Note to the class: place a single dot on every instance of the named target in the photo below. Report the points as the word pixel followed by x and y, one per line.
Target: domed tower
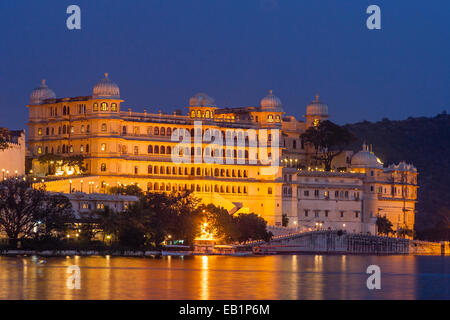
pixel 316 111
pixel 271 109
pixel 41 93
pixel 105 89
pixel 202 107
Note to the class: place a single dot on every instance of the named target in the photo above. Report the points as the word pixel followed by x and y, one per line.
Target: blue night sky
pixel 161 52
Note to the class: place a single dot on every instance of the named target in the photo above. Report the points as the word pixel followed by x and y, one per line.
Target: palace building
pixel 122 147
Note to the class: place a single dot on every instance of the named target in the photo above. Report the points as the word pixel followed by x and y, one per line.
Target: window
pixel 326 213
pixel 269 191
pixel 306 193
pixel 150 149
pixel 95 108
pixel 81 148
pixel 156 131
pixel 82 128
pixel 103 147
pixel 88 128
pixel 39 150
pixel 104 106
pixel 87 148
pixel 192 114
pixel 103 167
pixel 342 214
pixel 114 107
pixel 316 214
pixel 136 150
pixel 306 213
pixel 162 132
pixel 356 214
pixel 40 131
pixel 136 169
pixel 270 118
pixel 103 126
pixel 277 119
pixel 316 193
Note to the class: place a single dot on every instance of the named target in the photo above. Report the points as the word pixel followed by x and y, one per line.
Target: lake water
pixel 225 277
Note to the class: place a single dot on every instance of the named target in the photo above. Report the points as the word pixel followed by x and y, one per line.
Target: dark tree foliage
pixel 220 223
pixel 130 190
pixel 3 144
pixel 425 142
pixel 156 216
pixel 329 140
pixel 284 220
pixel 53 161
pixel 252 227
pixel 384 226
pixel 23 208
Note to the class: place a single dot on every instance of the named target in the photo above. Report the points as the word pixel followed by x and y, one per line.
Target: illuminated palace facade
pixel 121 147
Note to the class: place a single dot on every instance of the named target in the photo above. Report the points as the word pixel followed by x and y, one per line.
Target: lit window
pixel 270 118
pixel 39 150
pixel 103 167
pixel 104 106
pixel 95 106
pixel 103 147
pixel 114 107
pixel 316 122
pixel 82 128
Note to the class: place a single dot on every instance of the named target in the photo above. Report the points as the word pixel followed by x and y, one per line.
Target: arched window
pixel 64 148
pixel 87 148
pixel 64 110
pixel 150 169
pixel 163 150
pixel 81 149
pixel 156 150
pixel 104 106
pixel 82 128
pixel 149 186
pixel 156 131
pixel 270 118
pixel 150 149
pixel 192 114
pixel 95 107
pixel 103 167
pixel 64 129
pixel 103 147
pixel 150 131
pixel 103 126
pixel 199 171
pixel 169 131
pixel 88 128
pixel 162 131
pixel 169 150
pixel 124 130
pixel 114 107
pixel 269 191
pixel 277 118
pixel 199 114
pixel 207 114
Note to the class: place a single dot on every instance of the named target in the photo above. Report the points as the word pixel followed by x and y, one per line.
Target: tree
pixel 384 226
pixel 3 144
pixel 252 227
pixel 23 208
pixel 56 161
pixel 220 223
pixel 156 216
pixel 130 190
pixel 284 220
pixel 329 140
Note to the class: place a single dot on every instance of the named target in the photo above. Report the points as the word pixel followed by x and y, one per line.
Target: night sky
pixel 161 52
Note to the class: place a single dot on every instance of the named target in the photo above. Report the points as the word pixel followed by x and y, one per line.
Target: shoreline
pixel 158 253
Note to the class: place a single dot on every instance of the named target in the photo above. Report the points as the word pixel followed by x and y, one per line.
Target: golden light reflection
pixel 204 294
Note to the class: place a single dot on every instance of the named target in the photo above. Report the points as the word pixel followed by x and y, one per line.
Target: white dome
pixel 271 103
pixel 366 159
pixel 41 93
pixel 106 89
pixel 317 108
pixel 201 100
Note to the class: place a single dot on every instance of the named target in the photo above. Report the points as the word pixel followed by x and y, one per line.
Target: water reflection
pixel 224 277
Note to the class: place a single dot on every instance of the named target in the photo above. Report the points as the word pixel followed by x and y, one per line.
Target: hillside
pixel 425 142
